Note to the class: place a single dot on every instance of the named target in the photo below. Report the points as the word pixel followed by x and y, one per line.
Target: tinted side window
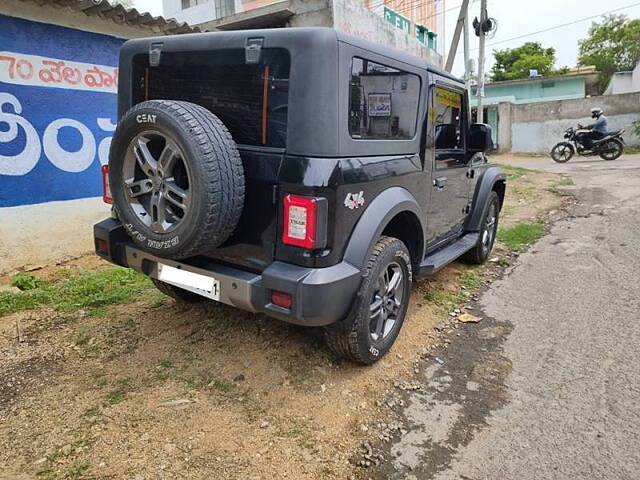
pixel 448 126
pixel 383 102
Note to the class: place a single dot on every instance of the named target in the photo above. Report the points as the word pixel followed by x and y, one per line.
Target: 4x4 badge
pixel 354 200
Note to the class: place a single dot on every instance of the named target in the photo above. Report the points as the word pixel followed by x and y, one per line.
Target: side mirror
pixel 480 138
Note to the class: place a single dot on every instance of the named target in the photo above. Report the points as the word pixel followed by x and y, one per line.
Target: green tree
pixel 613 45
pixel 515 63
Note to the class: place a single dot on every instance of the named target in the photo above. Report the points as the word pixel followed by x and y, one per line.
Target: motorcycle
pixel 609 147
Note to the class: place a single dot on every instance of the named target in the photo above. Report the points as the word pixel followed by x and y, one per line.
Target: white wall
pixel 192 15
pixel 635 79
pixel 540 137
pixel 47 233
pixel 196 14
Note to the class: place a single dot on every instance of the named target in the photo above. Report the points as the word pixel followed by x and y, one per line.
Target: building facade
pixel 624 82
pixel 422 19
pixel 414 28
pixel 532 90
pixel 58 85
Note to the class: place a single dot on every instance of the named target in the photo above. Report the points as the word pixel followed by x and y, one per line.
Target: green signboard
pixel 397 20
pixel 422 34
pixel 433 40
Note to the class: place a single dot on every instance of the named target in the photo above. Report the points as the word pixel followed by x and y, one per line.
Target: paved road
pixel 548 385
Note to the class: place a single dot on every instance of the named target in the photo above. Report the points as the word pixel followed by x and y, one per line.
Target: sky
pixel 520 17
pixel 515 17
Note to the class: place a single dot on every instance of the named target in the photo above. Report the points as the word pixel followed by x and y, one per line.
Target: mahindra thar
pixel 301 173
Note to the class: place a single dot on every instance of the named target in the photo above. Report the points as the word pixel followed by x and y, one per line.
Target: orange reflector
pixel 106 190
pixel 281 299
pixel 102 246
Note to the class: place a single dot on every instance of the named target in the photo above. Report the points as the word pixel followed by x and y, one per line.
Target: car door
pixel 447 126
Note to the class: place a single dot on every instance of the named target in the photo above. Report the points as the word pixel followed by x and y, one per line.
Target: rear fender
pixel 373 221
pixel 484 187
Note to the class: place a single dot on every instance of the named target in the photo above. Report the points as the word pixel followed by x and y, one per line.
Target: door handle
pixel 440 183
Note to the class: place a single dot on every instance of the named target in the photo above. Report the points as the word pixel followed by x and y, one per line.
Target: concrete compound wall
pixel 536 127
pixel 57 114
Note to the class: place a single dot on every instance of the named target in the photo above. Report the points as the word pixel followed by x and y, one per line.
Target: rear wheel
pixel 562 152
pixel 611 150
pixel 489 229
pixel 370 330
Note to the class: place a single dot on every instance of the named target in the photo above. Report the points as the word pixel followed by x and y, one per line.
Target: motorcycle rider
pixel 599 128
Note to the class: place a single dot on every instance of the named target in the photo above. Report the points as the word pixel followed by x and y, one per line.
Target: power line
pixel 555 27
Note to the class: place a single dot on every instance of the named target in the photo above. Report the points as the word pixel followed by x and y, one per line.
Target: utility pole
pixel 483 36
pixel 456 35
pixel 467 63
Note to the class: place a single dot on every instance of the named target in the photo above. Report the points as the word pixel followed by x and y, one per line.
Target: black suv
pixel 301 173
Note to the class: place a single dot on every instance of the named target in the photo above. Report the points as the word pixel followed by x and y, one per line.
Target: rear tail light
pixel 102 246
pixel 281 299
pixel 106 190
pixel 304 222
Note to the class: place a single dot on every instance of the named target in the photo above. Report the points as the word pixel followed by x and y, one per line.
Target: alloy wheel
pixel 386 305
pixel 490 227
pixel 157 181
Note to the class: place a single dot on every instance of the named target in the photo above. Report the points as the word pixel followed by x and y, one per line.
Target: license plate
pixel 193 282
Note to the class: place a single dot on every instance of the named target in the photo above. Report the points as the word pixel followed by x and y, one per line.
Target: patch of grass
pixel 92 412
pixel 518 237
pixel 471 278
pixel 87 290
pixel 156 299
pixel 515 173
pixel 222 385
pixel 48 473
pixel 503 262
pixel 562 182
pixel 118 395
pixel 82 336
pixel 121 326
pixel 25 281
pixel 443 299
pixel 165 363
pixel 77 469
pixel 288 432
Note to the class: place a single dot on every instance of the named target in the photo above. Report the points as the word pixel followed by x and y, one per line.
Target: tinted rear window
pixel 250 99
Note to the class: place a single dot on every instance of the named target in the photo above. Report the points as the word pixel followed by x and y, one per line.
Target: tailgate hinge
pixel 252 50
pixel 155 52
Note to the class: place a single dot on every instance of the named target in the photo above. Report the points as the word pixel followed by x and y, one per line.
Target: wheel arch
pixel 493 180
pixel 389 213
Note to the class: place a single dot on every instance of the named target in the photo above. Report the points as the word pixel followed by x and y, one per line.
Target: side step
pixel 441 258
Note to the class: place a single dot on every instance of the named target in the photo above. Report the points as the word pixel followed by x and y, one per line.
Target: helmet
pixel 596 112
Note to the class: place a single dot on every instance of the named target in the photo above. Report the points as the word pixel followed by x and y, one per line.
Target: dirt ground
pixel 155 389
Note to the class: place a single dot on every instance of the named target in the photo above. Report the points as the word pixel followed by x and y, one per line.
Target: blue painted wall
pixel 53 138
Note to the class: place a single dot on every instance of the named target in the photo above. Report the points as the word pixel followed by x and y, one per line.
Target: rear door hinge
pixel 155 52
pixel 274 195
pixel 252 50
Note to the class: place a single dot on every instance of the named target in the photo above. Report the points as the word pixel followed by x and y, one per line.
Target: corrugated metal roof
pixel 122 16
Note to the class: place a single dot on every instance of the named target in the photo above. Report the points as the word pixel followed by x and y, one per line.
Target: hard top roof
pixel 312 33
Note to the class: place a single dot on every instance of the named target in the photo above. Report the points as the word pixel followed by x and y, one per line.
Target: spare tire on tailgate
pixel 176 178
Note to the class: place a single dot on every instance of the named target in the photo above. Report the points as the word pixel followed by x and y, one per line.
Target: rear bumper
pixel 320 296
